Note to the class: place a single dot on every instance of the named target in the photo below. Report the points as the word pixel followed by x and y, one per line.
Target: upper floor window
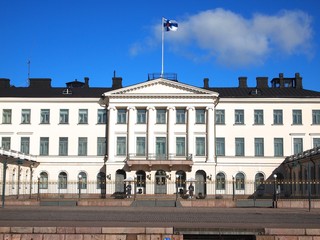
pixel 141 146
pixel 220 146
pixel 101 146
pixel 64 116
pixel 63 146
pixel 239 146
pixel 200 146
pixel 315 116
pixel 25 145
pixel 161 116
pixel 297 145
pixel 316 142
pixel 220 116
pixel 141 116
pixel 278 147
pixel 277 117
pixel 45 116
pixel 83 116
pixel 239 116
pixel 258 117
pixel 82 146
pixel 102 116
pixel 161 147
pixel 44 146
pixel 6 143
pixel 121 146
pixel 258 147
pixel 25 116
pixel 180 146
pixel 180 116
pixel 6 116
pixel 122 116
pixel 296 117
pixel 200 116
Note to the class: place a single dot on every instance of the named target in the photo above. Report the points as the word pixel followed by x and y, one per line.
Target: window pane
pixel 220 181
pixel 122 116
pixel 82 146
pixel 64 116
pixel 25 145
pixel 102 116
pixel 180 116
pixel 200 146
pixel 6 143
pixel 200 116
pixel 45 116
pixel 239 116
pixel 141 116
pixel 83 116
pixel 63 180
pixel 258 147
pixel 101 146
pixel 296 117
pixel 63 146
pixel 278 147
pixel 121 146
pixel 180 146
pixel 141 146
pixel 277 117
pixel 220 117
pixel 82 180
pixel 43 180
pixel 161 116
pixel 239 146
pixel 220 146
pixel 240 181
pixel 44 146
pixel 161 149
pixel 297 145
pixel 6 116
pixel 258 116
pixel 316 142
pixel 25 116
pixel 315 116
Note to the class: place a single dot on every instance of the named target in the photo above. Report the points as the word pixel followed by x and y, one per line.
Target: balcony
pixel 155 162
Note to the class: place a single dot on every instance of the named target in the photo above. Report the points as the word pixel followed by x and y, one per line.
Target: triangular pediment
pixel 160 86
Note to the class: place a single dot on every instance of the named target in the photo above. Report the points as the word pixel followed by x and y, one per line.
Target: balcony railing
pixel 159 157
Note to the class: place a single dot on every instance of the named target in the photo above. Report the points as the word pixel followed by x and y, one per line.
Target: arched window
pixel 101 180
pixel 82 180
pixel 240 181
pixel 43 184
pixel 63 180
pixel 220 181
pixel 259 181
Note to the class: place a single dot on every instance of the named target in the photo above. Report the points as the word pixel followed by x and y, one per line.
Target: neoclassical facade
pixel 161 134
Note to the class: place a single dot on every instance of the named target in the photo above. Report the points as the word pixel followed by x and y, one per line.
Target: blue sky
pixel 216 39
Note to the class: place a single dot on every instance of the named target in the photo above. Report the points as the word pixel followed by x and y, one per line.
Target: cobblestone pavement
pixel 28 216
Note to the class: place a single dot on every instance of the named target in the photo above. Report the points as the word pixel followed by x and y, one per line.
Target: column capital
pixel 171 108
pixel 111 108
pixel 151 108
pixel 210 108
pixel 131 108
pixel 190 108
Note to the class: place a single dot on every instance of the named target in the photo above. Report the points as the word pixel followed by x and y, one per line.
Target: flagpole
pixel 162 46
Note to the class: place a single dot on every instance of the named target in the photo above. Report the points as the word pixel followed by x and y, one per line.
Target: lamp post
pixel 38 195
pixel 233 190
pixel 274 202
pixel 4 181
pixel 79 184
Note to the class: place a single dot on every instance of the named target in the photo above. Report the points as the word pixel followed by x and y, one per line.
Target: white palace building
pixel 160 134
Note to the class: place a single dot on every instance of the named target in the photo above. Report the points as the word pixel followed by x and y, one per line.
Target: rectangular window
pixel 122 116
pixel 297 145
pixel 64 116
pixel 181 146
pixel 101 146
pixel 258 147
pixel 6 116
pixel 180 116
pixel 121 146
pixel 45 116
pixel 220 146
pixel 102 116
pixel 220 116
pixel 63 146
pixel 161 147
pixel 161 116
pixel 278 147
pixel 315 116
pixel 296 117
pixel 25 116
pixel 200 146
pixel 82 146
pixel 258 117
pixel 200 116
pixel 25 145
pixel 239 116
pixel 316 142
pixel 6 143
pixel 83 116
pixel 44 146
pixel 141 116
pixel 277 117
pixel 239 142
pixel 141 146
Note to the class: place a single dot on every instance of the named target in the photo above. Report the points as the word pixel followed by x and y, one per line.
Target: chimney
pixel 4 83
pixel 116 81
pixel 86 82
pixel 262 82
pixel 281 81
pixel 298 80
pixel 206 83
pixel 39 82
pixel 242 82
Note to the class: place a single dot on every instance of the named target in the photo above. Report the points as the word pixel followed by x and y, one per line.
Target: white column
pixel 190 127
pixel 112 119
pixel 211 145
pixel 170 131
pixel 130 131
pixel 151 118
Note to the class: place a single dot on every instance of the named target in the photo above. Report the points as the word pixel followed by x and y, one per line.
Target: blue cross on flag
pixel 170 25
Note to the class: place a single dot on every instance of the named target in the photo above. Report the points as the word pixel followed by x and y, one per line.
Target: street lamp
pixel 38 195
pixel 274 202
pixel 233 190
pixel 79 183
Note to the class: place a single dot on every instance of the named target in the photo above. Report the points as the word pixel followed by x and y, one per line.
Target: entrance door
pixel 200 183
pixel 160 182
pixel 119 183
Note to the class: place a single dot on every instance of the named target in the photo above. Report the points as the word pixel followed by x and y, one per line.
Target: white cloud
pixel 230 39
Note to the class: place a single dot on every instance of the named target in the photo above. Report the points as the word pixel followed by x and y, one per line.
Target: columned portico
pixel 210 134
